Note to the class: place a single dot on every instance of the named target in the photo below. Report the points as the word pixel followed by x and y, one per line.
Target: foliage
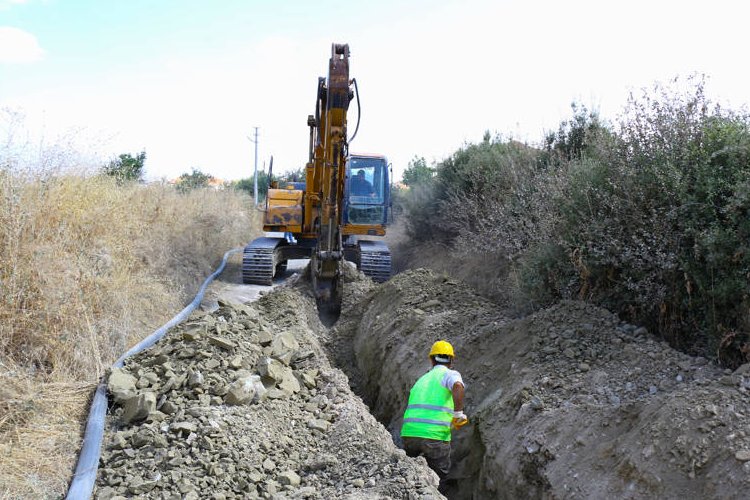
pixel 577 138
pixel 658 231
pixel 649 218
pixel 417 172
pixel 293 176
pixel 248 185
pixel 194 180
pixel 126 167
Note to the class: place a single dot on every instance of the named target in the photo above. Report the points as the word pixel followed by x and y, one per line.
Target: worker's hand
pixel 459 420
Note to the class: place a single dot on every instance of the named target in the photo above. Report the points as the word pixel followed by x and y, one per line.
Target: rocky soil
pixel 567 403
pixel 244 402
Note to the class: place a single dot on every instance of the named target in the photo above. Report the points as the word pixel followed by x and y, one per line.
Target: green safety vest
pixel 430 408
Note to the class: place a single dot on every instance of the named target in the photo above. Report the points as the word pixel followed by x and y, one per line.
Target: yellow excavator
pixel 344 198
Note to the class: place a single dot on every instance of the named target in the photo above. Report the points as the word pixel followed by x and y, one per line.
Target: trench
pixel 381 370
pixel 538 427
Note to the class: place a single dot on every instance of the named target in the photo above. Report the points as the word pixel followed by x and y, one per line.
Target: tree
pixel 418 172
pixel 126 167
pixel 247 185
pixel 293 176
pixel 195 179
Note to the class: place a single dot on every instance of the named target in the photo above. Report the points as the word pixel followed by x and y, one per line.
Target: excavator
pixel 345 197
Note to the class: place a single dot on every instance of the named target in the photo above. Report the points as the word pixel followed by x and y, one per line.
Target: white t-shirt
pixel 450 377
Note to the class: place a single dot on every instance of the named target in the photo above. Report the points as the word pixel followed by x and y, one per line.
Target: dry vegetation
pixel 88 268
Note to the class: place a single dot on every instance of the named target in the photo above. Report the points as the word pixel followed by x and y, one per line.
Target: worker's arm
pixel 458 396
pixel 459 417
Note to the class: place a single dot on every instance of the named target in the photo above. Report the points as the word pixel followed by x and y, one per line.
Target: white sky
pixel 187 80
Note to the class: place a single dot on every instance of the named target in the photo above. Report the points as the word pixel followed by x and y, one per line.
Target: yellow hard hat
pixel 442 347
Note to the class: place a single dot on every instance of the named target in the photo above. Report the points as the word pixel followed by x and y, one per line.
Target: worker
pixel 361 186
pixel 435 407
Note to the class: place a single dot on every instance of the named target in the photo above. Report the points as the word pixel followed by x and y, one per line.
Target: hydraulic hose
pixel 82 485
pixel 359 112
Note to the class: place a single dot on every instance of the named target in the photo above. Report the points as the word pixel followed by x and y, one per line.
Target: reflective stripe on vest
pixel 430 408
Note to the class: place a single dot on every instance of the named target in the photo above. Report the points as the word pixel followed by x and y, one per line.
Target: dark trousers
pixel 437 453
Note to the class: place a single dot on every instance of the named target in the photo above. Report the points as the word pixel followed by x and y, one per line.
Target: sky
pixel 188 80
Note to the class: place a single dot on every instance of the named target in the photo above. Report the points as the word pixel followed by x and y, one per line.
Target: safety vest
pixel 430 408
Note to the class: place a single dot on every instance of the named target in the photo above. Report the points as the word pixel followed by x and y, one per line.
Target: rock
pixel 289 478
pixel 121 385
pixel 276 394
pixel 268 465
pixel 119 441
pixel 264 337
pixel 142 438
pixel 308 380
pixel 284 347
pixel 168 407
pixel 536 403
pixel 236 362
pixel 358 483
pixel 242 390
pixel 195 379
pixel 185 486
pixel 272 370
pixel 318 425
pixel 289 384
pixel 742 455
pixel 225 344
pixel 106 493
pixel 184 428
pixel 192 334
pixel 640 331
pixel 138 407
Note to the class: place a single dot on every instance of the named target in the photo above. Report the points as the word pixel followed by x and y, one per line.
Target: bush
pixel 417 172
pixel 657 230
pixel 194 180
pixel 649 219
pixel 126 167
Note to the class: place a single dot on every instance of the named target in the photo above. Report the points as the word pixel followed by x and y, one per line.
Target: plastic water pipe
pixel 84 477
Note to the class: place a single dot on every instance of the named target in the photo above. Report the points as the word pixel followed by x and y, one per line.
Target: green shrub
pixel 126 167
pixel 649 219
pixel 656 229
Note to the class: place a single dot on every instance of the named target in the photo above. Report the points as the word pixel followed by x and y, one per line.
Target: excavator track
pixel 375 260
pixel 259 261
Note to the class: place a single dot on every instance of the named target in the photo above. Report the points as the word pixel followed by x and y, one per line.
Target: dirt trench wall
pixel 567 403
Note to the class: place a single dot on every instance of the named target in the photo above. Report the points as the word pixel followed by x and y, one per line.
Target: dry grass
pixel 88 268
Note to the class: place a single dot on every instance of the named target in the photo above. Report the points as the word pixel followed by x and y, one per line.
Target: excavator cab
pixel 366 201
pixel 367 194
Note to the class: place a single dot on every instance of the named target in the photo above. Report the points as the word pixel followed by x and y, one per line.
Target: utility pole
pixel 255 175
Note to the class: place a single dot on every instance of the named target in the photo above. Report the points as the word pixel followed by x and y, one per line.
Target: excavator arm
pixel 325 187
pixel 326 219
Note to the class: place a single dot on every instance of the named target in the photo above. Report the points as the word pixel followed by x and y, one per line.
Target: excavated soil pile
pixel 566 403
pixel 243 403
